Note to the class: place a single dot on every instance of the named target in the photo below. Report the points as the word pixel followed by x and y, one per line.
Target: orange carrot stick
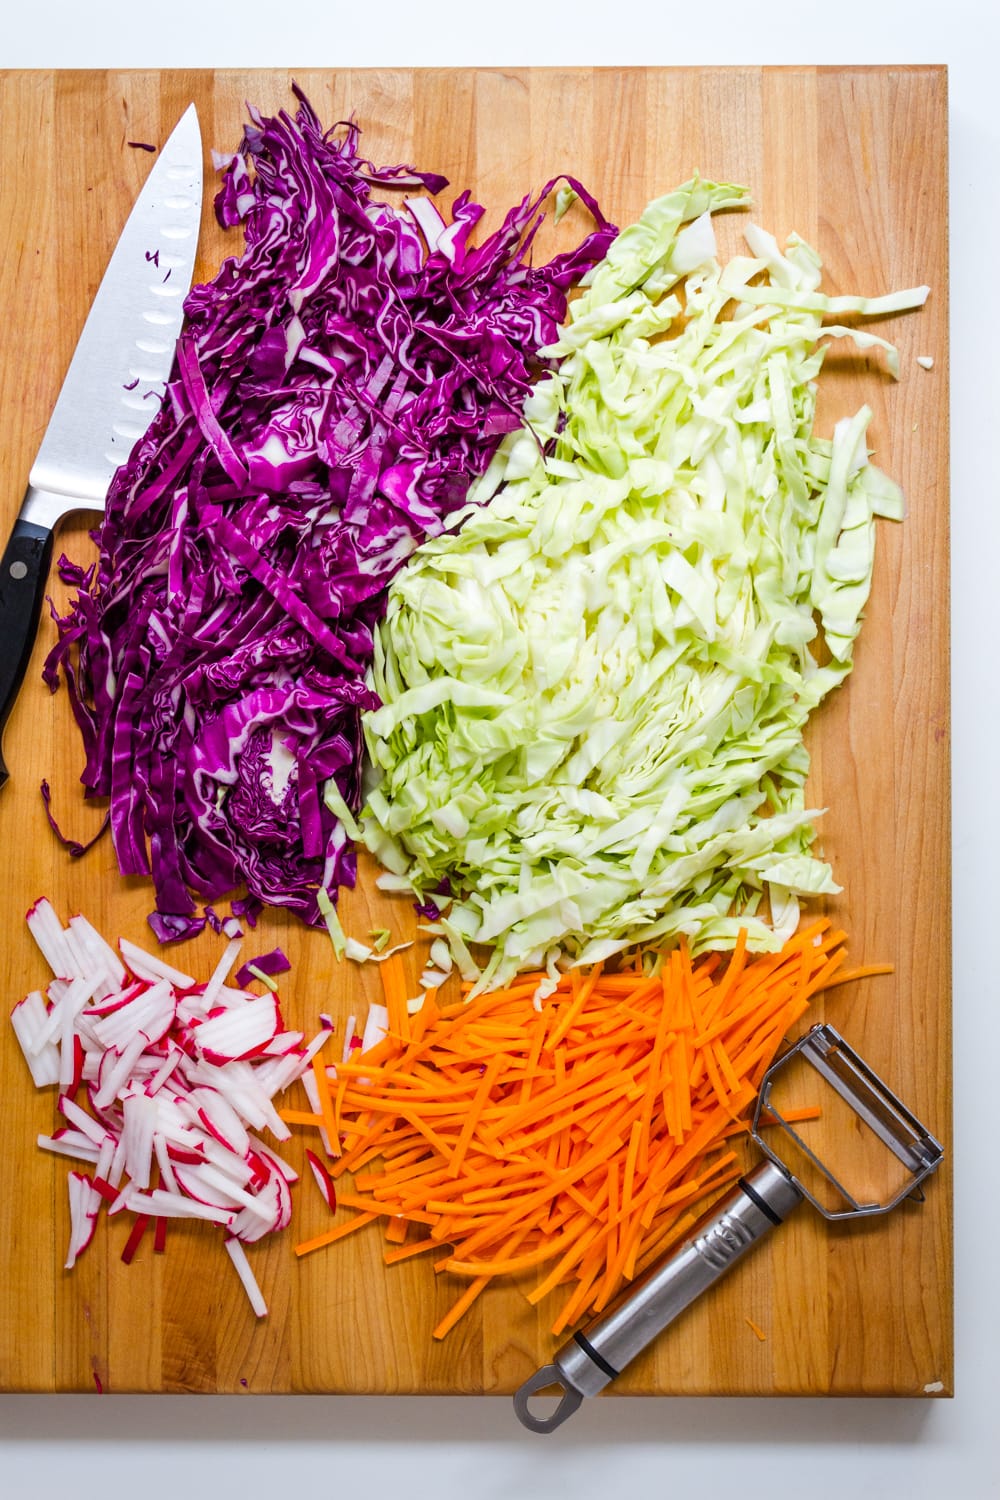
pixel 578 1138
pixel 460 1307
pixel 394 986
pixel 330 1235
pixel 326 1105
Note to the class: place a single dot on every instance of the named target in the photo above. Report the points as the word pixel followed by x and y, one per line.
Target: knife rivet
pixel 18 570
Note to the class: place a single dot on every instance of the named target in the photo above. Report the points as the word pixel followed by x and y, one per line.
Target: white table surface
pixel 159 1447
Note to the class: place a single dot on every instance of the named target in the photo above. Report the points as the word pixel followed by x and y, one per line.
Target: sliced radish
pixel 28 1019
pixel 207 1186
pixel 174 1206
pixel 238 1256
pixel 332 1148
pixel 352 1021
pixel 376 1026
pixel 286 1169
pixel 165 1165
pixel 241 1171
pixel 95 1132
pixel 47 931
pixel 142 1222
pixel 283 1043
pixel 68 998
pixel 274 1199
pixel 101 1184
pixel 164 1084
pixel 84 1202
pixel 100 956
pixel 311 1048
pixel 323 1180
pixel 149 1013
pixel 241 1033
pixel 277 1075
pixel 151 966
pixel 173 1056
pixel 222 970
pixel 75 1145
pixel 140 1115
pixel 115 1074
pixel 220 1119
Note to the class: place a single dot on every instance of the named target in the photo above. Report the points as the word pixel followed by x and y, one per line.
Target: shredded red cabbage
pixel 275 962
pixel 336 388
pixel 73 846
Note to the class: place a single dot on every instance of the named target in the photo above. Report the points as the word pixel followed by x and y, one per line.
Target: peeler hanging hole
pixel 533 1400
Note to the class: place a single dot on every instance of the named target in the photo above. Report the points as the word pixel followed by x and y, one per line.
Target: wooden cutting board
pixel 855 161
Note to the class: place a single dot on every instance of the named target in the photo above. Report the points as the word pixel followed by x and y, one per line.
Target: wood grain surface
pixel 855 161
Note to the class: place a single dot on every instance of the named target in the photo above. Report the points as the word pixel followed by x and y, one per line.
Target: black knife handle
pixel 23 576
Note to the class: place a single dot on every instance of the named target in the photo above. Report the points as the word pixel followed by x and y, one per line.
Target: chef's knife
pixel 112 388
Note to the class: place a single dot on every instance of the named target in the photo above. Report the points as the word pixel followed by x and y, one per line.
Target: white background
pixel 472 1447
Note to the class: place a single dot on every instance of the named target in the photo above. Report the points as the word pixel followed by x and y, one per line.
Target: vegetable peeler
pixel 889 1154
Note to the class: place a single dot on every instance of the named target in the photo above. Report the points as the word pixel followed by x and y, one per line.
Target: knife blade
pixel 111 391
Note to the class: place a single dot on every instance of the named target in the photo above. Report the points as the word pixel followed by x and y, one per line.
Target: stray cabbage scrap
pixel 594 689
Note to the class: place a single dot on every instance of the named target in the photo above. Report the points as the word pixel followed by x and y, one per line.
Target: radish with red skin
pixel 323 1180
pixel 249 1226
pixel 214 1130
pixel 114 1078
pixel 162 1081
pixel 152 966
pixel 84 1203
pixel 139 1228
pixel 73 1145
pixel 93 1129
pixel 239 1034
pixel 79 1057
pixel 149 1013
pixel 165 1165
pixel 284 1168
pixel 211 1190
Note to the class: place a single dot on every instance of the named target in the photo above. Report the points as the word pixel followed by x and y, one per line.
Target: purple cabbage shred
pixel 275 962
pixel 336 388
pixel 72 846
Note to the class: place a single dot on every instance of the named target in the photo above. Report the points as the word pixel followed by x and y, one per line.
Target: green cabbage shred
pixel 594 687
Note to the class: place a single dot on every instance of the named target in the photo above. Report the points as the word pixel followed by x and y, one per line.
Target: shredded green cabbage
pixel 594 689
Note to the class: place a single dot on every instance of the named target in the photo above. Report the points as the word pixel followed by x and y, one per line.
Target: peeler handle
pixel 595 1354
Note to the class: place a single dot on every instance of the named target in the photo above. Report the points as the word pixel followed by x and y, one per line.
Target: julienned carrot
pixel 396 1230
pixel 570 1143
pixel 337 1233
pixel 395 989
pixel 327 1111
pixel 463 1304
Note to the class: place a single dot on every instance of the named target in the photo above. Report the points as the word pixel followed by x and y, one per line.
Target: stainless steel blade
pixel 112 389
pixel 125 352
